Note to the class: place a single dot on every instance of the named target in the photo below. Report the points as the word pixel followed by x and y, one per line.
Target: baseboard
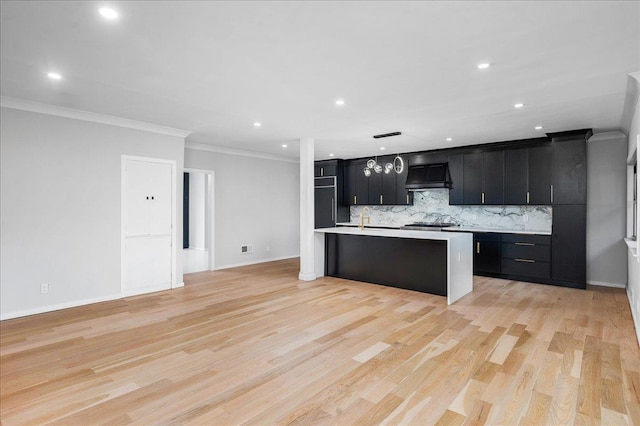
pixel 635 317
pixel 255 262
pixel 179 285
pixel 147 290
pixel 604 284
pixel 51 308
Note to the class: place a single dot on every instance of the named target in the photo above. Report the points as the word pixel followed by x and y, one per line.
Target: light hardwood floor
pixel 254 345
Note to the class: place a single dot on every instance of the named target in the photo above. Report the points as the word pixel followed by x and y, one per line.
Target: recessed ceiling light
pixel 340 102
pixel 538 127
pixel 449 139
pixel 330 155
pixel 382 148
pixel 257 124
pixel 518 105
pixel 54 76
pixel 108 13
pixel 284 145
pixel 484 65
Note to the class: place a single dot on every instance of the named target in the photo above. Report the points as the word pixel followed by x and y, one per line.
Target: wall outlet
pixel 246 249
pixel 44 288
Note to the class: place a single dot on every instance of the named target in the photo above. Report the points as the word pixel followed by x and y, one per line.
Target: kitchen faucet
pixel 363 217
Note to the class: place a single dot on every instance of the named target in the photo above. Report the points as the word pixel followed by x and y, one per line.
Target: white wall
pixel 606 211
pixel 257 201
pixel 196 211
pixel 633 286
pixel 60 211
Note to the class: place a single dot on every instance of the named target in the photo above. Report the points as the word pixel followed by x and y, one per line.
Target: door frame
pixel 209 212
pixel 123 211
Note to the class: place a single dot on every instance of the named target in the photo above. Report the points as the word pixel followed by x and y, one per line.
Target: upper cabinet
pixel 483 177
pixel 570 167
pixel 325 168
pixel 456 170
pixel 377 188
pixel 528 175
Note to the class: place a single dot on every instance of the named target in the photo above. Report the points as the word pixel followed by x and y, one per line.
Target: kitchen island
pixel 439 263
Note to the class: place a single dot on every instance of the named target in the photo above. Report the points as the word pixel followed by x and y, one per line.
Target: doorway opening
pixel 198 221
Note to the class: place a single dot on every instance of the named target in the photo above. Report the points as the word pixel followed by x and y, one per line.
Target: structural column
pixel 307 261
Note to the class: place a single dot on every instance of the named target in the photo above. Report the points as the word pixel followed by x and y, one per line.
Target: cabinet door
pixel 349 184
pixel 456 193
pixel 569 244
pixel 389 188
pixel 361 183
pixel 493 178
pixel 473 178
pixel 487 255
pixel 515 176
pixel 325 168
pixel 403 197
pixel 325 207
pixel 570 172
pixel 375 188
pixel 540 174
pixel 317 170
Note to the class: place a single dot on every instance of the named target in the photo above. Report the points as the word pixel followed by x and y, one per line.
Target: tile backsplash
pixel 433 206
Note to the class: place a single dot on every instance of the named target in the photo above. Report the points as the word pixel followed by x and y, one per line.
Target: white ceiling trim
pixel 241 152
pixel 21 104
pixel 607 136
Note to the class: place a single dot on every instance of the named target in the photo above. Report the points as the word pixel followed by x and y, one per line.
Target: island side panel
pixel 460 267
pixel 412 264
pixel 319 252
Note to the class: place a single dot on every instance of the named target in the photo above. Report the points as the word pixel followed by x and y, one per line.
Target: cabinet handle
pixel 478 247
pixel 525 244
pixel 525 260
pixel 552 194
pixel 483 198
pixel 527 197
pixel 355 199
pixel 321 171
pixel 380 198
pixel 333 211
pixel 407 198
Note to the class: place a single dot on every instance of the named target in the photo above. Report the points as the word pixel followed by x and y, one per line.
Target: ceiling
pixel 215 68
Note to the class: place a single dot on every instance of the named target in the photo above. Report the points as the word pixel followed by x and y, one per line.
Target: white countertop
pixel 499 231
pixel 459 229
pixel 395 233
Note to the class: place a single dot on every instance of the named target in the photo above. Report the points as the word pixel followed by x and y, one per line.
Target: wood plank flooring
pixel 253 345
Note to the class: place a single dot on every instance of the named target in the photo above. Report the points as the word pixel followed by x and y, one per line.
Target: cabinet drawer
pixel 486 236
pixel 526 238
pixel 526 251
pixel 524 268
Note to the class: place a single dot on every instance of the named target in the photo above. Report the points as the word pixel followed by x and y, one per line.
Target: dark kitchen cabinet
pixel 540 167
pixel 483 177
pixel 528 175
pixel 516 164
pixel 486 253
pixel 403 197
pixel 388 184
pixel 325 168
pixel 569 245
pixel 375 188
pixel 570 167
pixel 473 172
pixel 456 193
pixel 325 207
pixel 356 185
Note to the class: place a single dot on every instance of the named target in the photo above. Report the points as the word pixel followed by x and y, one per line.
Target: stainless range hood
pixel 428 176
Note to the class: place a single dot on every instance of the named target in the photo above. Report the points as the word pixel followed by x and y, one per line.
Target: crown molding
pixel 21 104
pixel 607 136
pixel 231 151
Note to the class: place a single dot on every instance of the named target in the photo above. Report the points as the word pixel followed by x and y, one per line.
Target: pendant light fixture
pixel 372 165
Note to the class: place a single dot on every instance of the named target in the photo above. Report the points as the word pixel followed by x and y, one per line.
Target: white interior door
pixel 148 226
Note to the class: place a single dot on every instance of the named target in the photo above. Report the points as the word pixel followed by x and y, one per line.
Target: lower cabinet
pixel 526 255
pixel 570 245
pixel 486 253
